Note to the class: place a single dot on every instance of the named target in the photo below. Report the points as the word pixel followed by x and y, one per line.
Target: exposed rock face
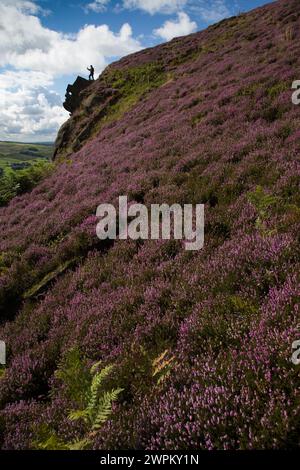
pixel 88 102
pixel 73 97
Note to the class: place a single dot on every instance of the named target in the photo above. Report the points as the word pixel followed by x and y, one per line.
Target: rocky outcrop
pixel 88 102
pixel 73 94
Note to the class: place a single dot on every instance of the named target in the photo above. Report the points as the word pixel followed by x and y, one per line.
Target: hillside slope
pixel 203 119
pixel 13 154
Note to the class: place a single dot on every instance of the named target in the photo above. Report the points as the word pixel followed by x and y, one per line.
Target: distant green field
pixel 14 153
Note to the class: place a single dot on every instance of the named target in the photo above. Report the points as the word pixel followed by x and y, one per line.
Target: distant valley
pixel 16 155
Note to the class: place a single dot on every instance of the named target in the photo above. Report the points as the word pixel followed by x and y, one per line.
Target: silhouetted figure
pixel 92 72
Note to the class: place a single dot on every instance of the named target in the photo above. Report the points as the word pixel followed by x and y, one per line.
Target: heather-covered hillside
pixel 199 342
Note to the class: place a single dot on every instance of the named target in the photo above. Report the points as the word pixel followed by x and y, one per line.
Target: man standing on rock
pixel 92 72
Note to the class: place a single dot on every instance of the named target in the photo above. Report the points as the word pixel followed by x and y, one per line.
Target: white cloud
pixel 155 6
pixel 26 44
pixel 65 55
pixel 13 79
pixel 98 6
pixel 180 27
pixel 35 56
pixel 20 31
pixel 30 110
pixel 24 5
pixel 212 11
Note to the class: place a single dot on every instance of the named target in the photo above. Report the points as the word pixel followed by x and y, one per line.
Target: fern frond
pixel 263 203
pixel 75 375
pixel 105 408
pixel 163 376
pixel 51 443
pixel 78 414
pixel 96 385
pixel 80 444
pixel 261 200
pixel 95 367
pixel 105 372
pixel 162 366
pixel 160 358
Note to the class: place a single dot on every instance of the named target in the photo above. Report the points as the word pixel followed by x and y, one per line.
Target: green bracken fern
pixel 263 203
pixel 99 403
pixel 87 388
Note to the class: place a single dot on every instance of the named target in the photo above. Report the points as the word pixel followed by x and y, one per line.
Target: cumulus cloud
pixel 65 55
pixel 26 44
pixel 98 6
pixel 14 79
pixel 211 11
pixel 24 5
pixel 34 56
pixel 155 6
pixel 180 27
pixel 31 111
pixel 20 31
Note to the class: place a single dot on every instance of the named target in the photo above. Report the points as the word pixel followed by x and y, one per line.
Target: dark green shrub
pixel 14 183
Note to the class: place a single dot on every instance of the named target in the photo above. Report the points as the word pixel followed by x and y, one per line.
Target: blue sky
pixel 44 45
